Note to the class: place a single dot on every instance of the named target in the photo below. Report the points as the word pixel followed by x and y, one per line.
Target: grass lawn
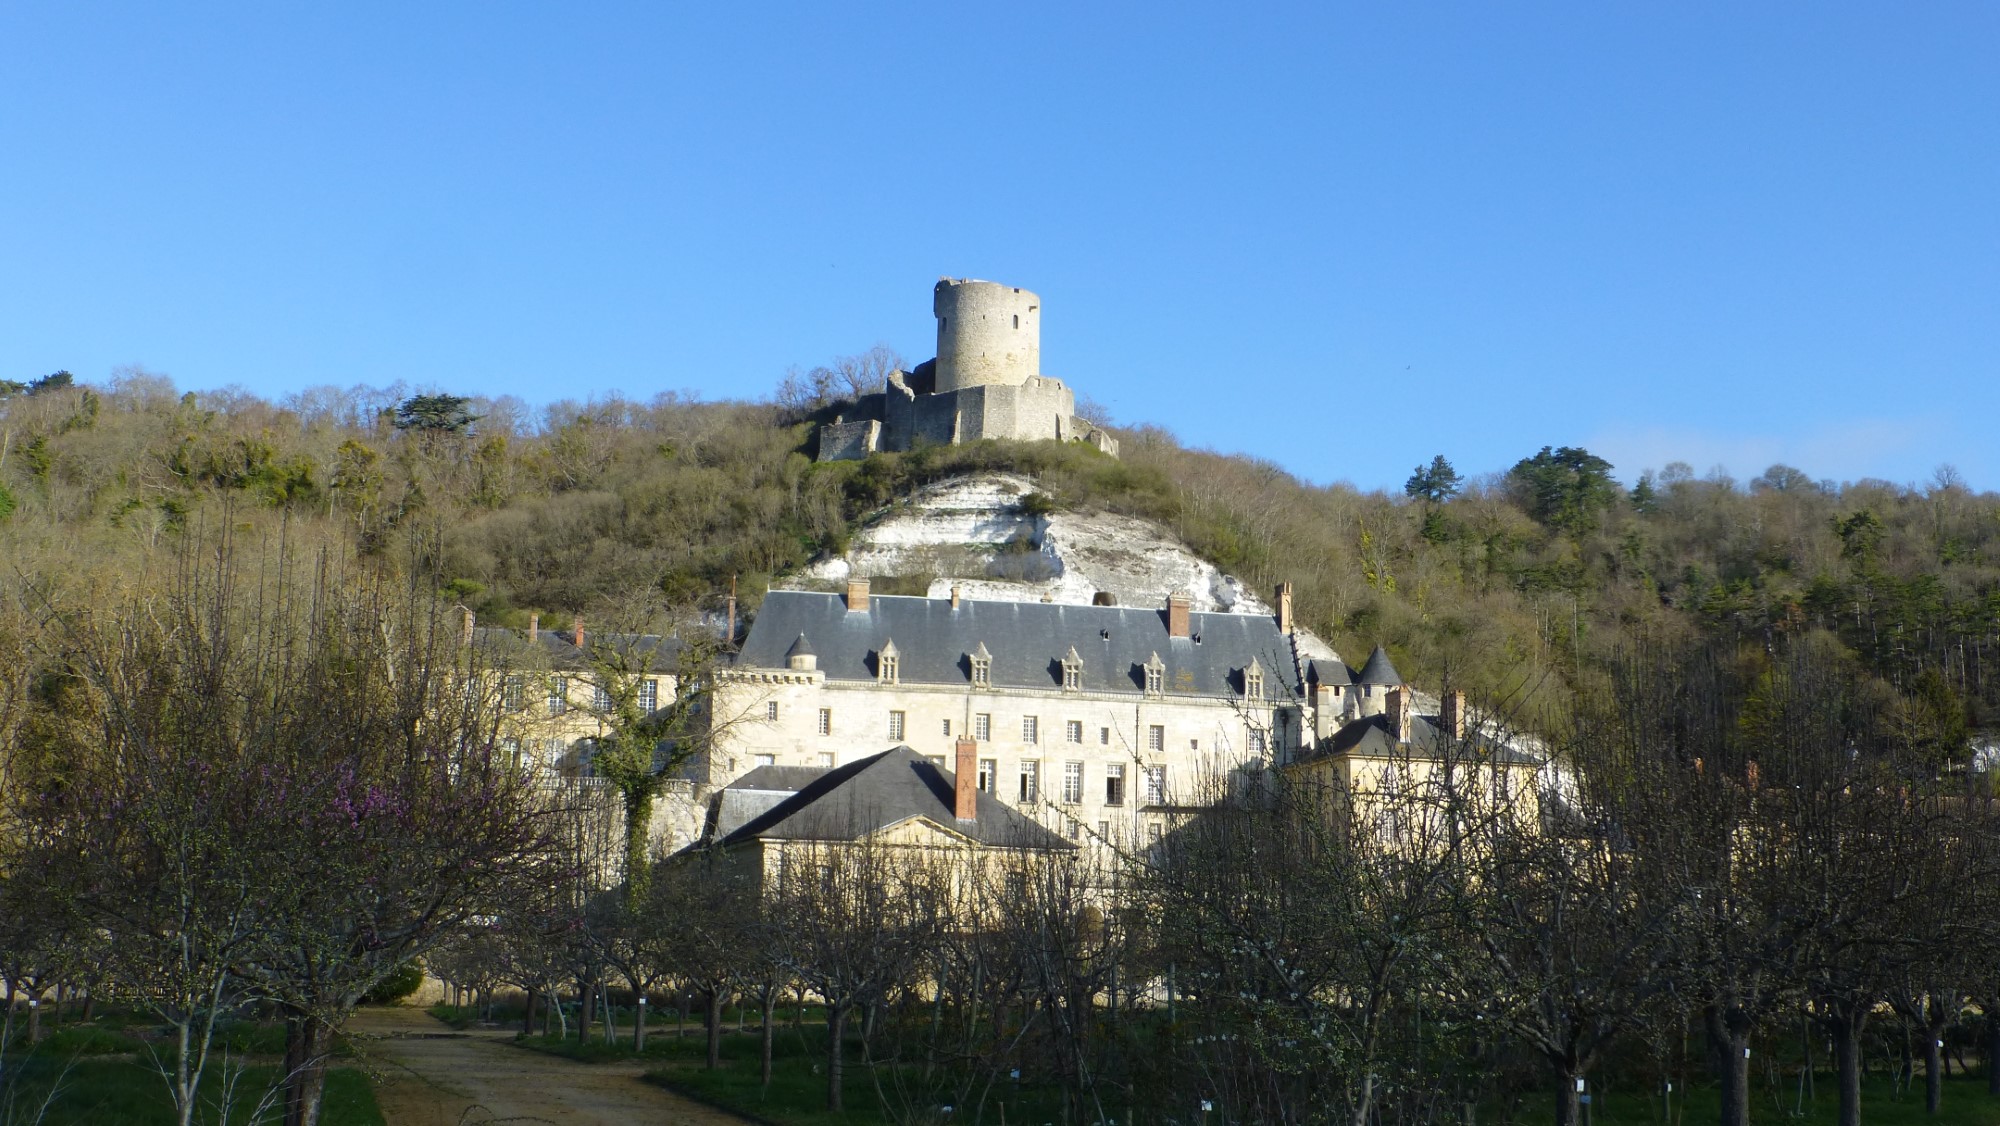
pixel 797 1095
pixel 1966 1103
pixel 125 1092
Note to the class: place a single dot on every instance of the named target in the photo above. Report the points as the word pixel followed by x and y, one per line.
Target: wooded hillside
pixel 1507 585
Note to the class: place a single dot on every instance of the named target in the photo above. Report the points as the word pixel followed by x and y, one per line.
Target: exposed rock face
pixel 970 532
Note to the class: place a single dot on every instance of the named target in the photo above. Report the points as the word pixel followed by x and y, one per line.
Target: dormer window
pixel 888 664
pixel 982 667
pixel 1072 671
pixel 1156 675
pixel 1253 681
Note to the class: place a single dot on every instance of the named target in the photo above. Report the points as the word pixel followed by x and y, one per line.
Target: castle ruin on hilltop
pixel 986 382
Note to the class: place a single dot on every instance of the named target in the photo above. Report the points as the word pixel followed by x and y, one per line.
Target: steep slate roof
pixel 849 802
pixel 1371 737
pixel 1378 670
pixel 1027 640
pixel 1330 673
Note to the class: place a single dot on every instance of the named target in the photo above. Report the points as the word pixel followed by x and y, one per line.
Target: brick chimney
pixel 1285 608
pixel 954 596
pixel 857 596
pixel 534 627
pixel 966 790
pixel 1177 614
pixel 465 634
pixel 1451 715
pixel 576 632
pixel 1398 711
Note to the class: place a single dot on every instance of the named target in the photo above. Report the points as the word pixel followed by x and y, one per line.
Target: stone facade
pixel 984 383
pixel 1118 720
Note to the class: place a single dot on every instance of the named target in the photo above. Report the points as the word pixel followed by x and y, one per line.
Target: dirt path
pixel 428 1075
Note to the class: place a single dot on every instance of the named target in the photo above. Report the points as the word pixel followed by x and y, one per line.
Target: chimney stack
pixel 954 596
pixel 1177 614
pixel 966 789
pixel 1285 608
pixel 465 635
pixel 534 627
pixel 1452 713
pixel 857 596
pixel 1399 713
pixel 576 632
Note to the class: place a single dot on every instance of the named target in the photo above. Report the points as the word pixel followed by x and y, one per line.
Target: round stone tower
pixel 988 334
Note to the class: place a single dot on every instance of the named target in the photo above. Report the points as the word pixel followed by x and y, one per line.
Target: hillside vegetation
pixel 1505 585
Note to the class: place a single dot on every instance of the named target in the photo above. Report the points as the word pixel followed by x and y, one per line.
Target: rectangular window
pixel 1104 736
pixel 826 759
pixel 1156 738
pixel 600 698
pixel 1031 780
pixel 1153 835
pixel 982 727
pixel 558 695
pixel 1073 731
pixel 1256 742
pixel 826 721
pixel 989 770
pixel 1072 782
pixel 947 729
pixel 1104 830
pixel 1114 784
pixel 649 695
pixel 936 760
pixel 1074 828
pixel 771 711
pixel 513 690
pixel 767 760
pixel 511 749
pixel 1156 785
pixel 896 725
pixel 1031 729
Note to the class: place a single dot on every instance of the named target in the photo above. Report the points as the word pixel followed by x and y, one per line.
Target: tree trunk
pixel 306 1039
pixel 1729 1039
pixel 585 1003
pixel 34 1018
pixel 714 1022
pixel 836 1022
pixel 1569 1109
pixel 770 1002
pixel 528 1015
pixel 639 1023
pixel 1933 1073
pixel 1847 1066
pixel 1992 1007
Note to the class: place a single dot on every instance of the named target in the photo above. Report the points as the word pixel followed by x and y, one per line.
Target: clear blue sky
pixel 1343 237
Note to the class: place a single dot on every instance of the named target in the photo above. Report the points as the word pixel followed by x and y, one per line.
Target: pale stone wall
pixel 1202 742
pixel 988 333
pixel 849 441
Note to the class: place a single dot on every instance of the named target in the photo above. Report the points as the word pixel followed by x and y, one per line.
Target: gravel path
pixel 428 1075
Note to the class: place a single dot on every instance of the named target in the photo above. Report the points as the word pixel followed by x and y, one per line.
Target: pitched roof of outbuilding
pixel 850 802
pixel 1027 642
pixel 1374 737
pixel 558 649
pixel 1330 673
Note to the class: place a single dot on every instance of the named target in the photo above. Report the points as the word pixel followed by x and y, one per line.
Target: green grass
pixel 106 1092
pixel 1965 1103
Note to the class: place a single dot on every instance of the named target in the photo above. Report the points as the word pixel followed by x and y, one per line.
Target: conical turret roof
pixel 802 648
pixel 1378 670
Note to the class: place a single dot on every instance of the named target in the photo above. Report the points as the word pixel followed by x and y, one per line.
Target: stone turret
pixel 988 334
